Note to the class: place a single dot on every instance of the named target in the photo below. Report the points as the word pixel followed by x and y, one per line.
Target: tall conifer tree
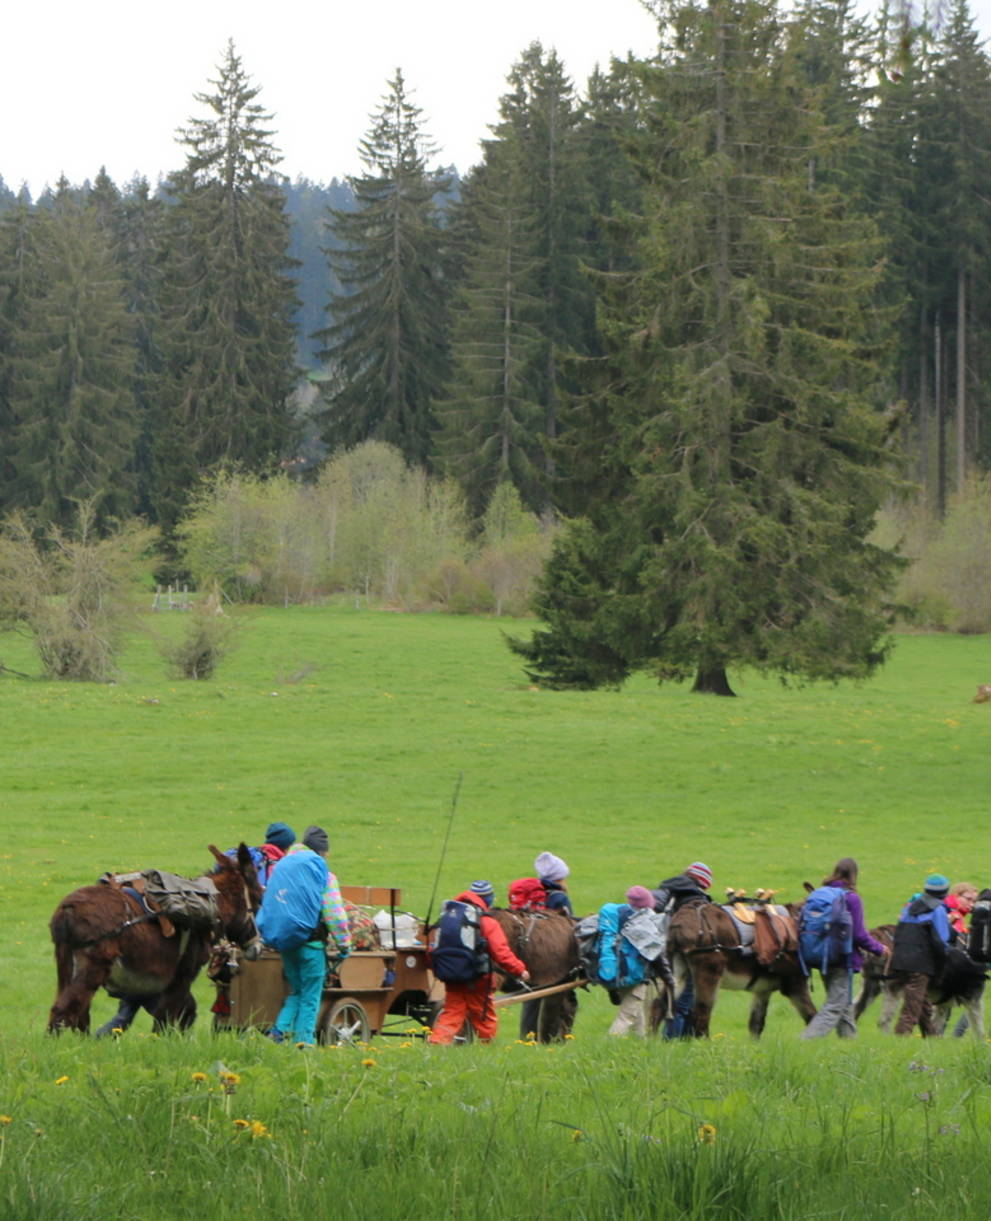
pixel 741 391
pixel 72 367
pixel 387 342
pixel 228 299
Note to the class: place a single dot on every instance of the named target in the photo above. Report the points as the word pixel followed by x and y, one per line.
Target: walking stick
pixel 443 851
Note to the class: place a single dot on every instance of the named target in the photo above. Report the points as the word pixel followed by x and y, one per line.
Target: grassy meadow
pixel 363 721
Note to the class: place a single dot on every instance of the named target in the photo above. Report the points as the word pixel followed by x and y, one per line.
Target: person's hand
pixel 525 977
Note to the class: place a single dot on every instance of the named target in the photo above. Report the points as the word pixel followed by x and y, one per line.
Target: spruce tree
pixel 228 297
pixel 72 356
pixel 387 342
pixel 742 436
pixel 492 418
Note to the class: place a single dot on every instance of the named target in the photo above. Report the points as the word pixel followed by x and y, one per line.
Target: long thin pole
pixel 443 851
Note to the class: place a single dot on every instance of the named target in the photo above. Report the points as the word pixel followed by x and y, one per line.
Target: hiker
pixel 959 904
pixel 692 886
pixel 921 937
pixel 551 873
pixel 622 968
pixel 467 945
pixel 303 917
pixel 278 837
pixel 839 961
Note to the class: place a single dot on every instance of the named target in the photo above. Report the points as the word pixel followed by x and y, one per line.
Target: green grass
pixel 629 786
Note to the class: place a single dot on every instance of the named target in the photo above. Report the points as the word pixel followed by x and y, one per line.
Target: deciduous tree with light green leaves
pixel 741 404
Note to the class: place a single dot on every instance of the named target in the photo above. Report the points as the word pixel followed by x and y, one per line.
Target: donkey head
pixel 240 897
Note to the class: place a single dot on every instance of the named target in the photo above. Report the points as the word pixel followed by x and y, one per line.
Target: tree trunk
pixel 712 680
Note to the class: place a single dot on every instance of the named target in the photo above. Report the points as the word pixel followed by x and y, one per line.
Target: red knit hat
pixel 700 873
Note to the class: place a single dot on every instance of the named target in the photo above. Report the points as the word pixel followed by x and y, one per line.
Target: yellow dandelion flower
pixel 406 1044
pixel 242 1123
pixel 578 1134
pixel 117 1031
pixel 229 1078
pixel 5 1120
pixel 61 1080
pixel 568 1037
pixel 258 1129
pixel 198 1077
pixel 368 1062
pixel 707 1133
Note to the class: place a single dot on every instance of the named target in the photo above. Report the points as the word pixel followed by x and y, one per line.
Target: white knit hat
pixel 550 867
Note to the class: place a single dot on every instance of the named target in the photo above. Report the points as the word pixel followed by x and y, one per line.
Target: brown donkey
pixel 703 941
pixel 546 942
pixel 104 937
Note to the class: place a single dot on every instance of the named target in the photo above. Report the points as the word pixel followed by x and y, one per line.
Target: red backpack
pixel 527 895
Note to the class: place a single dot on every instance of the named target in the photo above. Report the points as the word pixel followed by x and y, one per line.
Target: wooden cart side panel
pixel 258 990
pixel 373 896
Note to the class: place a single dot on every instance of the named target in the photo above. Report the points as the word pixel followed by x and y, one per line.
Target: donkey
pixel 546 942
pixel 104 937
pixel 961 982
pixel 704 941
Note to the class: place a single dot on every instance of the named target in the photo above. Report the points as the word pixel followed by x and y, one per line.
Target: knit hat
pixel 700 873
pixel 550 868
pixel 639 896
pixel 316 838
pixel 280 834
pixel 484 891
pixel 937 885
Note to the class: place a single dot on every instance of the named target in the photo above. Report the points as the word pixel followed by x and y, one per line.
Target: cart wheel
pixel 347 1022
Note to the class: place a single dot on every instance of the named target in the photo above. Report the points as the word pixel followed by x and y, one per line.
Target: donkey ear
pixel 221 858
pixel 247 865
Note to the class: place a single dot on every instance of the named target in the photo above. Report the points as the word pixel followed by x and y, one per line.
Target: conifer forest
pixel 718 319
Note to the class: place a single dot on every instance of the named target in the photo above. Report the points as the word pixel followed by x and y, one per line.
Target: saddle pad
pixel 744 929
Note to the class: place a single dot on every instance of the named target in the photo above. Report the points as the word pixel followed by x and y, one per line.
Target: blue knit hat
pixel 280 834
pixel 484 890
pixel 937 885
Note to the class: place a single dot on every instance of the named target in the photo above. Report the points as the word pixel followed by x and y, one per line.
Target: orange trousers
pixel 466 1003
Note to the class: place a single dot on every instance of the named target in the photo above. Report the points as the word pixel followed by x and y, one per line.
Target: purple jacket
pixel 862 940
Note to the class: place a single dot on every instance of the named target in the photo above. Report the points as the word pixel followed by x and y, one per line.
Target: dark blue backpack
pixel 825 929
pixel 458 951
pixel 290 911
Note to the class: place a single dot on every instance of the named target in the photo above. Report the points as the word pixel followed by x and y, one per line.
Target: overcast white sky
pixel 109 81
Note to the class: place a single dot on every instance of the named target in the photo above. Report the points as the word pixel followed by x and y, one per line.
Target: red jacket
pixel 500 953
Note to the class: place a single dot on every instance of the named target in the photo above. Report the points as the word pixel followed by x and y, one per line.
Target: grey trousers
pixel 836 1012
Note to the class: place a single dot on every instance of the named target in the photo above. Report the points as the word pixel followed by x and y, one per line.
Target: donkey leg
pixel 974 1009
pixel 71 1008
pixel 758 1013
pixel 797 992
pixel 705 978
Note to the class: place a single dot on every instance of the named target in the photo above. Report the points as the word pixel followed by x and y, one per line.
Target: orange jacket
pixel 500 953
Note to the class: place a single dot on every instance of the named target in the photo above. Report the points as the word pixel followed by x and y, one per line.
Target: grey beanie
pixel 484 890
pixel 316 839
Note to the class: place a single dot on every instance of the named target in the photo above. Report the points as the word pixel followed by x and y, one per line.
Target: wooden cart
pixel 374 991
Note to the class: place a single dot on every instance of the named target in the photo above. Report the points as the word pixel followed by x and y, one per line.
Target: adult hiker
pixel 303 917
pixel 690 886
pixel 551 872
pixel 834 948
pixel 467 944
pixel 921 937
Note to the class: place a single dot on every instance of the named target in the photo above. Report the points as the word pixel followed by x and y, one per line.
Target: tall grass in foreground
pixel 593 1129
